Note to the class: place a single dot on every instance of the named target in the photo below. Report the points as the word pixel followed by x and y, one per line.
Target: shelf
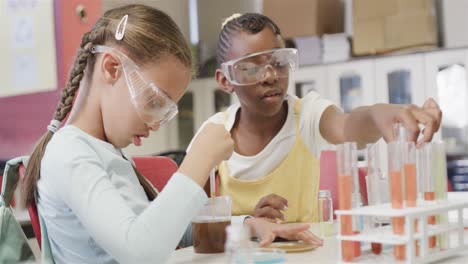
pixel 385 234
pixel 423 209
pixel 387 256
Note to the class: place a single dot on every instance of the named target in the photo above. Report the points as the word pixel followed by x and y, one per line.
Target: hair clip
pixel 232 17
pixel 119 33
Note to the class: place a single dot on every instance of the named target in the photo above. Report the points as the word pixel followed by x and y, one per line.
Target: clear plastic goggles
pixel 152 104
pixel 254 68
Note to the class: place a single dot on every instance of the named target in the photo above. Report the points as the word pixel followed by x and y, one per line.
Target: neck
pixel 262 125
pixel 89 119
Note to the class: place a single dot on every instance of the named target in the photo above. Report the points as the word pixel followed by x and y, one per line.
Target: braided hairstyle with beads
pixel 251 23
pixel 149 35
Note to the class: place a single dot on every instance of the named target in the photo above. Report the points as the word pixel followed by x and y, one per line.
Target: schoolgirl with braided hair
pixel 129 72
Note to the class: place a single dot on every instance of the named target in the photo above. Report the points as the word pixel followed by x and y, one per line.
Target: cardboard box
pixel 371 36
pixel 381 26
pixel 297 18
pixel 419 29
pixel 373 9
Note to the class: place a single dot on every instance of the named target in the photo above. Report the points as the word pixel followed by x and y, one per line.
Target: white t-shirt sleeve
pixel 150 237
pixel 312 108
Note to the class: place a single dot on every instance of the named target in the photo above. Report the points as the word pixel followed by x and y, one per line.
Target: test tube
pixel 440 186
pixel 411 182
pixel 356 199
pixel 411 192
pixel 395 165
pixel 428 187
pixel 345 162
pixel 374 194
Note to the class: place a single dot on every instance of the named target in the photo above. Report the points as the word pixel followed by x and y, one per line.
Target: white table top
pixel 326 254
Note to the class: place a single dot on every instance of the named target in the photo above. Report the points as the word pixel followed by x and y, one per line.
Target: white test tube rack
pixel 385 235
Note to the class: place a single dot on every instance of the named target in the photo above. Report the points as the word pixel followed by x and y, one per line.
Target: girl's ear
pixel 110 68
pixel 223 82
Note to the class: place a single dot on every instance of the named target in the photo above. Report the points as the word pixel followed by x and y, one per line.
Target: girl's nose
pixel 269 74
pixel 154 126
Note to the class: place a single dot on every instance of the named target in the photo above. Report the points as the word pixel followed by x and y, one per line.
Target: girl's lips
pixel 137 140
pixel 272 93
pixel 272 97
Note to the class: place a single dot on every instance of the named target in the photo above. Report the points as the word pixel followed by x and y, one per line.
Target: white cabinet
pixel 446 82
pixel 438 61
pixel 351 84
pixel 445 86
pixel 400 79
pixel 311 78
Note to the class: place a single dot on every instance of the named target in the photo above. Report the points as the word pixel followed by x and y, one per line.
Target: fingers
pixel 429 117
pixel 289 231
pixel 432 108
pixel 298 232
pixel 267 239
pixel 274 201
pixel 269 212
pixel 429 122
pixel 410 123
pixel 430 103
pixel 309 238
pixel 271 206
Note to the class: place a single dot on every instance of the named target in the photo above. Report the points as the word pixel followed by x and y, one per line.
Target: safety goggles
pixel 254 68
pixel 152 104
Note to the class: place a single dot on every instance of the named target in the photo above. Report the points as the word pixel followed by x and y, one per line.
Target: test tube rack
pixel 385 235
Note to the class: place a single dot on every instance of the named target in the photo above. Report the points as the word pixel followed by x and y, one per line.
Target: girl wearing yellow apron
pixel 274 171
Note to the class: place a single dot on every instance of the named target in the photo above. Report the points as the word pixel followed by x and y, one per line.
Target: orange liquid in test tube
pixel 411 192
pixel 345 185
pixel 431 220
pixel 398 223
pixel 396 181
pixel 356 246
pixel 410 184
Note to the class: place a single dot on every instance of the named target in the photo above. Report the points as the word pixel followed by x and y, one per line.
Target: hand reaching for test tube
pixel 271 207
pixel 429 115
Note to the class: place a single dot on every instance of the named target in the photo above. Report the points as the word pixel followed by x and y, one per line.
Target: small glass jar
pixel 325 205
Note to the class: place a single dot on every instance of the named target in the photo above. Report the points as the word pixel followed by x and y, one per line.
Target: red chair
pixel 157 169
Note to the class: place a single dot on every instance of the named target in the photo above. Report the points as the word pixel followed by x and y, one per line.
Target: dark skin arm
pixel 364 125
pixel 367 124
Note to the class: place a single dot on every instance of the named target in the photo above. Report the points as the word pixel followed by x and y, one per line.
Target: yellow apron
pixel 296 179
